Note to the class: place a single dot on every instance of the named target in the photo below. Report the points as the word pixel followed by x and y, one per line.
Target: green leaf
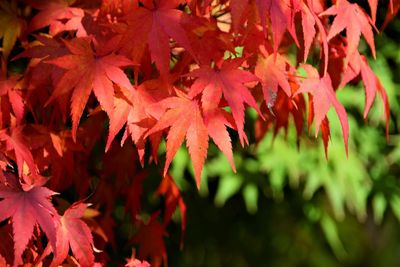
pixel 250 195
pixel 379 205
pixel 227 187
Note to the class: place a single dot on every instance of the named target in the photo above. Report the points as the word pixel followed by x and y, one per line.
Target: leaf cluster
pixel 90 89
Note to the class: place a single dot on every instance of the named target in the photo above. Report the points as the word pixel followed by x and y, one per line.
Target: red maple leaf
pixel 185 120
pixel 15 141
pixel 373 5
pixel 281 16
pixel 134 193
pixel 309 20
pixel 73 232
pixel 216 121
pixel 87 71
pixel 358 65
pixel 273 73
pixel 133 262
pixel 150 238
pixel 228 81
pixel 394 7
pixel 27 209
pixel 55 151
pixel 237 7
pixel 173 200
pixel 8 89
pixel 58 15
pixel 279 114
pixel 130 109
pixel 323 97
pixel 352 18
pixel 153 25
pixel 207 41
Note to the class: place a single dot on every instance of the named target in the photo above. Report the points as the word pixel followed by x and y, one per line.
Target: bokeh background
pixel 288 205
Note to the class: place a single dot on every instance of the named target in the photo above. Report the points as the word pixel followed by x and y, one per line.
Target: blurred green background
pixel 290 207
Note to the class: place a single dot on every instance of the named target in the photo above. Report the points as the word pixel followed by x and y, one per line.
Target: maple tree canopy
pixel 104 83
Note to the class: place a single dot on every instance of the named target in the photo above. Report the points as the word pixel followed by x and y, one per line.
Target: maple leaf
pixel 73 232
pixel 228 81
pixel 3 261
pixel 11 25
pixel 173 199
pixel 134 194
pixel 325 129
pixel 394 7
pixel 86 71
pixel 150 238
pixel 55 151
pixel 58 15
pixel 207 41
pixel 216 121
pixel 279 114
pixel 358 65
pixel 117 7
pixel 9 88
pixel 326 133
pixel 309 22
pixel 281 17
pixel 16 141
pixel 194 127
pixel 153 26
pixel 130 109
pixel 40 50
pixel 43 47
pixel 27 209
pixel 373 5
pixel 139 120
pixel 122 108
pixel 352 18
pixel 183 124
pixel 137 263
pixel 133 262
pixel 238 7
pixel 323 97
pixel 272 72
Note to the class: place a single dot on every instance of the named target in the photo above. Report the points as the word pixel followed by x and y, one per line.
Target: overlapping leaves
pixel 207 70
